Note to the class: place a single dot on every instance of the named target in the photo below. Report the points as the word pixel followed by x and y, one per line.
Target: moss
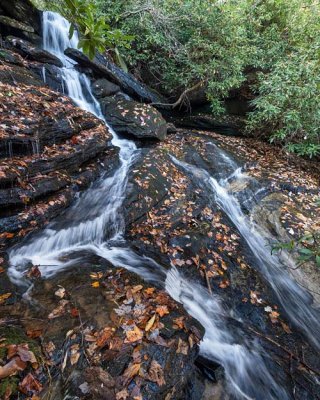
pixel 11 382
pixel 15 335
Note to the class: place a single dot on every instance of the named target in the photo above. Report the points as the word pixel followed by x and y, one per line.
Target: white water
pixel 95 224
pixel 96 216
pixel 294 299
pixel 245 370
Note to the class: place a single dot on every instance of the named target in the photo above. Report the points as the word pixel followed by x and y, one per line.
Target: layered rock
pixel 49 149
pixel 129 117
pixel 105 68
pixel 20 18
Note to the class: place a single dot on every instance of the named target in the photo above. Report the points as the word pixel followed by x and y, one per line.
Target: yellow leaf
pixel 96 275
pixel 150 323
pixel 95 284
pixel 4 297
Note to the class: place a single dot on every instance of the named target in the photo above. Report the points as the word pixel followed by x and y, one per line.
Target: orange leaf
pixel 162 310
pixel 4 297
pixel 134 335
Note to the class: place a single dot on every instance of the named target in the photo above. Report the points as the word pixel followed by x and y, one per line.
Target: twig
pixel 182 97
pixel 284 349
pixel 208 282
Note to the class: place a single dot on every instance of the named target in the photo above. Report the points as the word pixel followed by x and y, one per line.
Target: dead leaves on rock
pixel 19 358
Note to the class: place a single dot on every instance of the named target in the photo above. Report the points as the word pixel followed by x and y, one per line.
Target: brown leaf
pixel 12 367
pixel 285 327
pixel 34 333
pixel 60 310
pixel 134 335
pixel 183 347
pixel 34 272
pixel 104 336
pixel 61 292
pixel 130 372
pixel 74 357
pixel 178 323
pixel 156 374
pixel 136 289
pixel 122 395
pixel 30 385
pixel 149 291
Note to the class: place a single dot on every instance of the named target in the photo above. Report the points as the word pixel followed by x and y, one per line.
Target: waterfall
pixel 246 372
pixel 95 223
pixel 294 299
pixel 96 216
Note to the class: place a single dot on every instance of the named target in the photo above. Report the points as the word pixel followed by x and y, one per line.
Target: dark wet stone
pixel 49 74
pixel 104 88
pixel 105 68
pixel 23 11
pixel 129 117
pixel 208 122
pixel 14 24
pixel 19 75
pixel 33 52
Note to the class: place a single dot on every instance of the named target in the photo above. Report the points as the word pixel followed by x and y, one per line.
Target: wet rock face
pixel 49 149
pixel 33 52
pixel 171 219
pixel 103 88
pixel 116 335
pixel 105 68
pixel 22 11
pixel 129 117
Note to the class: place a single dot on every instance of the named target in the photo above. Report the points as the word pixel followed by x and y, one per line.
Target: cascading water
pixel 96 215
pixel 246 372
pixel 95 224
pixel 294 299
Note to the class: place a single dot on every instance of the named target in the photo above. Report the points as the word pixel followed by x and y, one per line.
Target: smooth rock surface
pixel 129 117
pixel 105 68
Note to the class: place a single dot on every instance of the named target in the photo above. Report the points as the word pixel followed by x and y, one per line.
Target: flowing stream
pixel 95 223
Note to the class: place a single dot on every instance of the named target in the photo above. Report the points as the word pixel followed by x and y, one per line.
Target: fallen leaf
pixel 60 310
pixel 178 323
pixel 95 284
pixel 137 288
pixel 12 367
pixel 4 297
pixel 134 335
pixel 285 327
pixel 74 312
pixel 130 372
pixel 30 385
pixel 162 310
pixel 150 323
pixel 34 333
pixel 122 395
pixel 74 357
pixel 156 374
pixel 96 275
pixel 183 347
pixel 61 292
pixel 104 336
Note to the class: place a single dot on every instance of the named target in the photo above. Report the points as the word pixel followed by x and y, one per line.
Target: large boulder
pixel 104 88
pixel 23 11
pixel 105 68
pixel 33 52
pixel 129 117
